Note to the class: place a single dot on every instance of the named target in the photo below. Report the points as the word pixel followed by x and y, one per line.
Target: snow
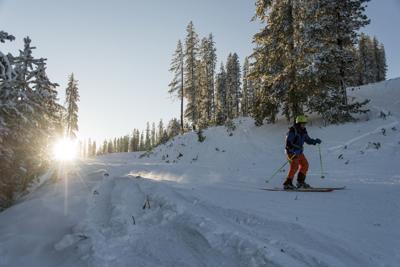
pixel 205 208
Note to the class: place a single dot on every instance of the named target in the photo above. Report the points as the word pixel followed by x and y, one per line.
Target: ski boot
pixel 288 185
pixel 301 181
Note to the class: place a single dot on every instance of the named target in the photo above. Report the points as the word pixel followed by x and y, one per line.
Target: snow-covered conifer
pixel 233 90
pixel 220 97
pixel 247 100
pixel 148 137
pixel 142 142
pixel 275 60
pixel 171 131
pixel 110 147
pixel 381 62
pixel 153 135
pixel 206 73
pixel 71 102
pixel 191 91
pixel 176 85
pixel 160 131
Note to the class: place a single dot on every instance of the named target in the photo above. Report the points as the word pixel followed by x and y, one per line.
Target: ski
pixel 333 188
pixel 300 189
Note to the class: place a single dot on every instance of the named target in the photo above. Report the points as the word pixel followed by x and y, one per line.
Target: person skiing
pixel 295 139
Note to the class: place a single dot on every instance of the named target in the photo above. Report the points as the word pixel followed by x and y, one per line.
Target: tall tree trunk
pixel 293 98
pixel 182 129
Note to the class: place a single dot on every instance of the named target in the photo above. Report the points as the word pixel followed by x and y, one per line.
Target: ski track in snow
pixel 233 238
pixel 378 130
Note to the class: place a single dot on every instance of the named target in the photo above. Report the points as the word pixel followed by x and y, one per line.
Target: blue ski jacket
pixel 295 139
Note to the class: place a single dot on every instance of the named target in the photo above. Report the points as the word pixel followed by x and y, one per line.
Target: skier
pixel 295 139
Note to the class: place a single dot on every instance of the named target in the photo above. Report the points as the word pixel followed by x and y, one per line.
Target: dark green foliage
pixel 370 61
pixel 233 90
pixel 221 91
pixel 299 64
pixel 248 90
pixel 206 73
pixel 191 91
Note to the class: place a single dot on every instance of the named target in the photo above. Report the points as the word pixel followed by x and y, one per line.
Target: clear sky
pixel 120 50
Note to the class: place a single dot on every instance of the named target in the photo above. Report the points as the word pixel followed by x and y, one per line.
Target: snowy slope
pixel 200 204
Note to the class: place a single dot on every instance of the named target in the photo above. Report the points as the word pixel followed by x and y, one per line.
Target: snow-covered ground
pixel 200 204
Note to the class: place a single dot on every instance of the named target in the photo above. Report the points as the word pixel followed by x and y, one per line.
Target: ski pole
pixel 286 162
pixel 320 161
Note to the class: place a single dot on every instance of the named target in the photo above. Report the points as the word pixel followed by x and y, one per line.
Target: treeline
pixel 138 140
pixel 208 97
pixel 370 61
pixel 30 119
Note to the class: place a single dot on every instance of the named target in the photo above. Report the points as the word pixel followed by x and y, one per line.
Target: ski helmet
pixel 301 119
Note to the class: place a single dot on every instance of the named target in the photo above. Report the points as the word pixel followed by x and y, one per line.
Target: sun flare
pixel 65 150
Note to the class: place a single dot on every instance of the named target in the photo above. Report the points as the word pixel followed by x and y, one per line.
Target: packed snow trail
pixel 199 204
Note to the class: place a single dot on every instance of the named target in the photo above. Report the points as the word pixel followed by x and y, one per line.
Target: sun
pixel 65 149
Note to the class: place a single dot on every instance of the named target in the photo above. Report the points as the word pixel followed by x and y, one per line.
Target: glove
pixel 318 141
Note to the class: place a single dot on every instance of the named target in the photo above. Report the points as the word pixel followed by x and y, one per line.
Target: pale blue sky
pixel 120 50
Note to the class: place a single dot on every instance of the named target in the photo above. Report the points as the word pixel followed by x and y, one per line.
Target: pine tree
pixel 367 60
pixel 8 114
pixel 27 153
pixel 137 140
pixel 202 84
pixel 72 98
pixel 375 50
pixel 110 147
pixel 132 142
pixel 153 135
pixel 211 65
pixel 371 62
pixel 220 102
pixel 172 130
pixel 49 111
pixel 348 17
pixel 142 142
pixel 330 57
pixel 299 61
pixel 316 78
pixel 126 143
pixel 191 91
pixel 147 140
pixel 275 61
pixel 206 73
pixel 160 131
pixel 28 119
pixel 177 84
pixel 381 63
pixel 233 92
pixel 247 101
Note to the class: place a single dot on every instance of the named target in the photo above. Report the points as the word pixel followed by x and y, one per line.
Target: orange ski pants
pixel 297 162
